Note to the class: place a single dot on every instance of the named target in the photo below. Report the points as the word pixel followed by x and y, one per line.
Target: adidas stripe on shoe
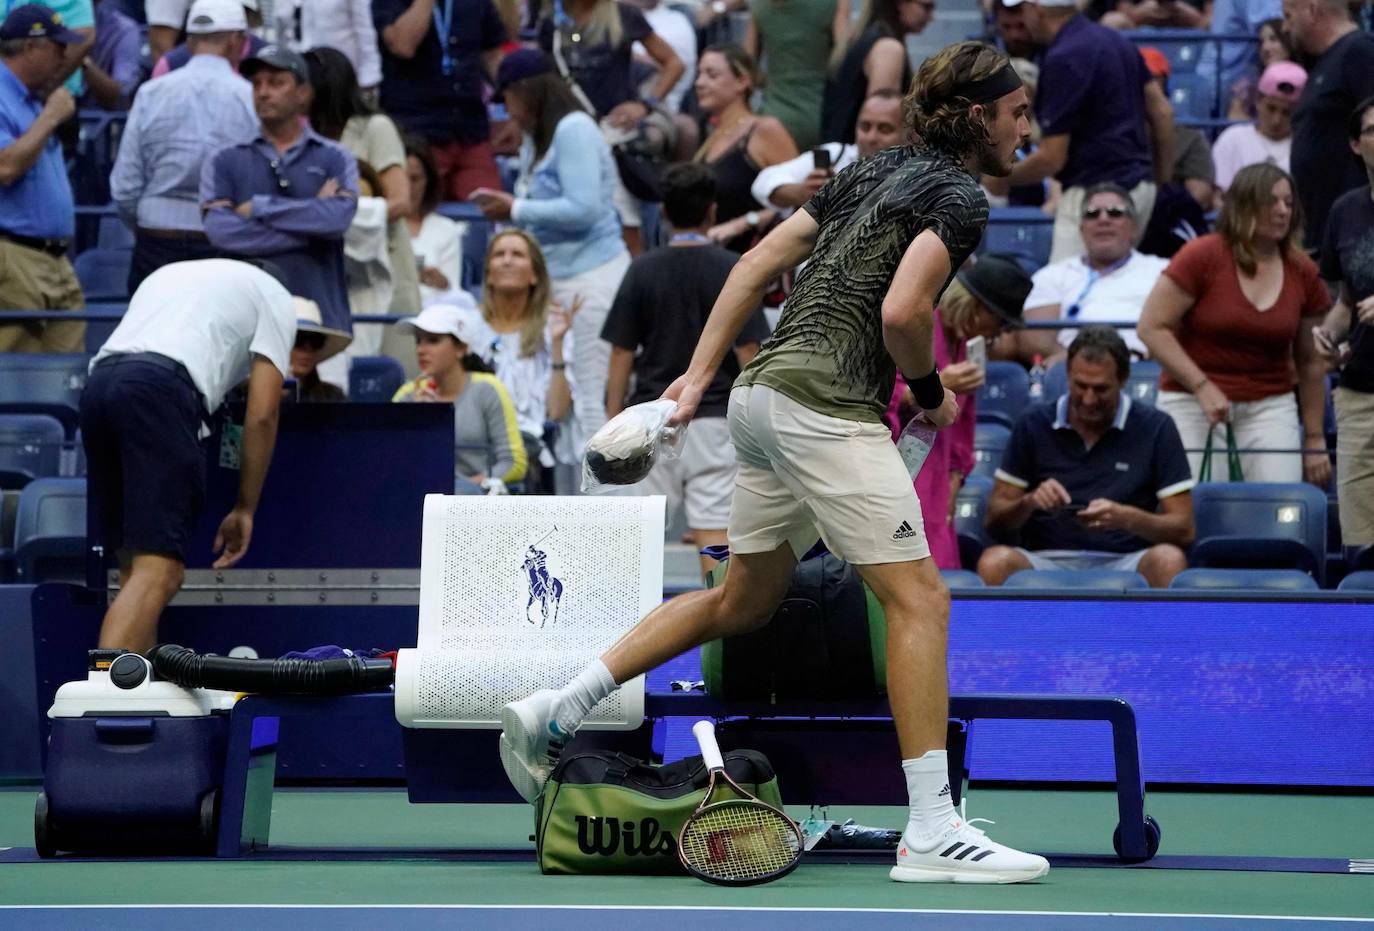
pixel 964 854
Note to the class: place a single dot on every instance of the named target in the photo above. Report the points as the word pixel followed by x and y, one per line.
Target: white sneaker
pixel 964 854
pixel 531 742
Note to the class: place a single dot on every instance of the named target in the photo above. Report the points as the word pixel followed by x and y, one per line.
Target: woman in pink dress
pixel 984 299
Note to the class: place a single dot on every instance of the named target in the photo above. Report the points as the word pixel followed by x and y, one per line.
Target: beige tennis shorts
pixel 805 475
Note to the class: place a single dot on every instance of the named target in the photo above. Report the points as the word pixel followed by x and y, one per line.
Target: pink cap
pixel 1284 80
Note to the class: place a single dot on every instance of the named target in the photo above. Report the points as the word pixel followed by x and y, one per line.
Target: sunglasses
pixel 1116 213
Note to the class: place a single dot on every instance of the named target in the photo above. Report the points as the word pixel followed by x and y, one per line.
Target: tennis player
pixel 882 241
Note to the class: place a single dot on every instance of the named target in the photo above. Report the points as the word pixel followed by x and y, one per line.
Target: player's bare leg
pixel 937 844
pixel 535 730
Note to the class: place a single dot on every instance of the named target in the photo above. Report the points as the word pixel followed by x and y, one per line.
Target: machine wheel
pixel 42 829
pixel 1152 834
pixel 209 819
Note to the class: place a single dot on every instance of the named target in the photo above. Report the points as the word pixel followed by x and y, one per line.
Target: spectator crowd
pixel 615 158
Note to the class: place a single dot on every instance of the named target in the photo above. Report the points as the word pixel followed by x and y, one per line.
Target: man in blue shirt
pixel 37 216
pixel 177 123
pixel 289 194
pixel 1093 480
pixel 1094 100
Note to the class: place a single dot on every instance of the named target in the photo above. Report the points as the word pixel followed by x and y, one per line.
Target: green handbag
pixel 1235 473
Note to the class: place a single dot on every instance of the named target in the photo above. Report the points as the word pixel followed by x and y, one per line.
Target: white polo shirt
pixel 795 170
pixel 1112 297
pixel 212 316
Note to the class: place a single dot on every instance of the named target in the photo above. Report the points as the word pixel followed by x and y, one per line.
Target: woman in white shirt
pixel 530 336
pixel 436 241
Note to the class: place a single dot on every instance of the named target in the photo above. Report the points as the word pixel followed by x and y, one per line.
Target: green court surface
pixel 1052 822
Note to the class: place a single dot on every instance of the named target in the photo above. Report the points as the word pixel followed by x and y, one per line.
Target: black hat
pixel 279 57
pixel 36 21
pixel 1000 284
pixel 520 64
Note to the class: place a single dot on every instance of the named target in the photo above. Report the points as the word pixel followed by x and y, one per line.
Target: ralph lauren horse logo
pixel 543 587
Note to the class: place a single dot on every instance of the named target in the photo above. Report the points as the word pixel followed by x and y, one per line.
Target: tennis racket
pixel 735 841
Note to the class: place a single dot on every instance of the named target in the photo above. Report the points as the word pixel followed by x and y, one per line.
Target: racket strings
pixel 739 841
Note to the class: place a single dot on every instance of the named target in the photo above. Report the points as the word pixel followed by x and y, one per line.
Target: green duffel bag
pixel 828 639
pixel 607 812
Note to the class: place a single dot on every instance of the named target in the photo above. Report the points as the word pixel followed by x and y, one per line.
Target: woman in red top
pixel 1230 321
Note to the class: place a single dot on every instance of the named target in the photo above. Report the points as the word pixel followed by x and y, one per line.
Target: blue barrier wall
pixel 1242 692
pixel 18 700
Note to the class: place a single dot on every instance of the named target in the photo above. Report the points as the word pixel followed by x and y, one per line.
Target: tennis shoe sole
pixel 920 874
pixel 525 744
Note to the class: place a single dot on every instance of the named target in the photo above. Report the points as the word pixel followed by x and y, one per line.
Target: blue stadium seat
pixel 1289 580
pixel 1143 384
pixel 98 332
pixel 50 531
pixel 113 234
pixel 961 578
pixel 374 378
pixel 1055 384
pixel 477 233
pixel 104 273
pixel 1193 96
pixel 43 383
pixel 1004 395
pixel 970 513
pixel 1252 525
pixel 1085 580
pixel 989 440
pixel 1357 582
pixel 30 448
pixel 1359 558
pixel 1183 47
pixel 1024 232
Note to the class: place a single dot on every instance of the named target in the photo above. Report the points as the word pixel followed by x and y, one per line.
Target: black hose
pixel 271 676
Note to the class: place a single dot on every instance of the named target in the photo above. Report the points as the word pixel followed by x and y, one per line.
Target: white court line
pixel 734 908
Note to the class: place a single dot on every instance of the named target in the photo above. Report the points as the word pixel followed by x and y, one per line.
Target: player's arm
pixel 789 243
pixel 909 320
pixel 259 436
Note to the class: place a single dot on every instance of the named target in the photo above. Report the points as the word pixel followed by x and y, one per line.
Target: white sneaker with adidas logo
pixel 531 742
pixel 964 854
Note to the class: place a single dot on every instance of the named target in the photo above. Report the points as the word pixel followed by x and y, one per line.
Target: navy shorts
pixel 140 424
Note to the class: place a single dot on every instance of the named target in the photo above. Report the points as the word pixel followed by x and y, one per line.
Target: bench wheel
pixel 1151 841
pixel 209 817
pixel 42 829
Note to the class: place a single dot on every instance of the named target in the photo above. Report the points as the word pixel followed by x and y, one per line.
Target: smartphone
pixel 1070 508
pixel 820 157
pixel 977 352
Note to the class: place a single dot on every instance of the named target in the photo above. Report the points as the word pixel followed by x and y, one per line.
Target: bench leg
pixel 250 769
pixel 1133 840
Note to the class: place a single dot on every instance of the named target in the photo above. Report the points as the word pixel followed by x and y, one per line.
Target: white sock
pixel 582 694
pixel 932 803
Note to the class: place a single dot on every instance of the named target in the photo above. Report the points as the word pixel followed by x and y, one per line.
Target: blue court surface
pixel 595 918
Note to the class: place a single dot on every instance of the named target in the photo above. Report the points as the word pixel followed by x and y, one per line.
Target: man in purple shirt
pixel 112 69
pixel 1094 100
pixel 288 195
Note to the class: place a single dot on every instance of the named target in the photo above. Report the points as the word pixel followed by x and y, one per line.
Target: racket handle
pixel 705 733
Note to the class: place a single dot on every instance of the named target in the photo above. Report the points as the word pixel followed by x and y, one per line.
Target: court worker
pixel 193 331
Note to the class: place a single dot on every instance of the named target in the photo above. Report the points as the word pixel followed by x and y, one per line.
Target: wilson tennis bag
pixel 607 812
pixel 826 640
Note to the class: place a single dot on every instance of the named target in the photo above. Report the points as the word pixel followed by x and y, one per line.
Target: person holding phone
pixel 983 301
pixel 791 183
pixel 1092 480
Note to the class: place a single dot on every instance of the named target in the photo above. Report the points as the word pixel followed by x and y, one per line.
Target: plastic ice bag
pixel 624 450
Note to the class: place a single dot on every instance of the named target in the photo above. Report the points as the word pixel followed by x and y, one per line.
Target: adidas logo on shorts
pixel 943 792
pixel 903 532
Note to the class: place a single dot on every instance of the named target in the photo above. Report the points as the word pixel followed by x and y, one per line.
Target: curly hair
pixel 935 113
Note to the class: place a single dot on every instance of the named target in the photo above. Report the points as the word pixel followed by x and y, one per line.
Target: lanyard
pixel 1093 276
pixel 687 237
pixel 443 24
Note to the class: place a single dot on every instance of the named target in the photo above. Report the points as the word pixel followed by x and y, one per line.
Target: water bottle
pixel 914 443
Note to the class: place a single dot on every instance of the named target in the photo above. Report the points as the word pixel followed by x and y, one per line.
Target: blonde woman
pixel 1230 320
pixel 740 146
pixel 531 335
